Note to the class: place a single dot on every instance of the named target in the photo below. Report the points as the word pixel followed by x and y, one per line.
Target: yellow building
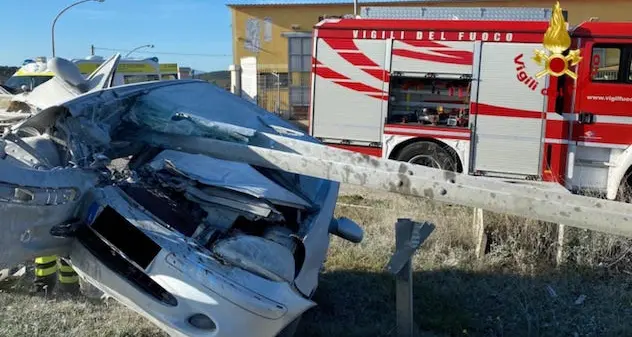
pixel 277 39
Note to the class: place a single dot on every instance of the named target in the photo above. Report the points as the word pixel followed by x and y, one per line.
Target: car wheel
pixel 428 154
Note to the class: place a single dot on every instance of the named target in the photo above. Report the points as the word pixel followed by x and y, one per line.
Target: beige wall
pixel 273 54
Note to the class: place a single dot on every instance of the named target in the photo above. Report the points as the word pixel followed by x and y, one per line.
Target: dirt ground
pixel 515 290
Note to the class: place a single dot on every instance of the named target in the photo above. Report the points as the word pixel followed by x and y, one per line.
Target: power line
pixel 163 53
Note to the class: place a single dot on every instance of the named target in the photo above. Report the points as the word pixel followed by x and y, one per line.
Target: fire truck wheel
pixel 624 194
pixel 428 154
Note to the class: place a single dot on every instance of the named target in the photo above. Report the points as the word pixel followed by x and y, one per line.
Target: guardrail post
pixel 409 236
pixel 480 237
pixel 560 256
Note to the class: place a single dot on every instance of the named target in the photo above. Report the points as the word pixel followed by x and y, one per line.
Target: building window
pixel 299 67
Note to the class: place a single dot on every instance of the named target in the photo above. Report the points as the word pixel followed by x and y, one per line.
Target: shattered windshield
pixel 203 110
pixel 116 120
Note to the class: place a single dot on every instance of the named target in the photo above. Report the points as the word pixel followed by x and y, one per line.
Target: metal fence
pixel 273 91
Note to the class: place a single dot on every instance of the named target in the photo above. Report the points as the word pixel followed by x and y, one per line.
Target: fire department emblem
pixel 556 41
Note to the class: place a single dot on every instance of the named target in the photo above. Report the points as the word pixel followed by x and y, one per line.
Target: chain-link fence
pixel 287 91
pixel 273 92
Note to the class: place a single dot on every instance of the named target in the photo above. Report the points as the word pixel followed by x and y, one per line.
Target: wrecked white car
pixel 199 245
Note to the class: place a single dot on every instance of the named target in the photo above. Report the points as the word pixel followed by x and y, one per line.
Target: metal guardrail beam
pixel 398 177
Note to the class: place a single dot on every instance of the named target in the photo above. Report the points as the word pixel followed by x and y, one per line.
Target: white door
pixel 510 111
pixel 249 78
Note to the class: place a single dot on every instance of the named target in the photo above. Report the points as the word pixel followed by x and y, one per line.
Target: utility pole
pixel 355 8
pixel 92 49
pixel 278 98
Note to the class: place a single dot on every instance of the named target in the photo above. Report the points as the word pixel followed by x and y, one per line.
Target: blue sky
pixel 181 26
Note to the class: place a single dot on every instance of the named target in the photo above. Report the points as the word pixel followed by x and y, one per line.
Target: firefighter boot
pixel 45 270
pixel 68 278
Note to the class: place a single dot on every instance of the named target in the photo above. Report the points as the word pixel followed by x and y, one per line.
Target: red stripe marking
pixel 371 151
pixel 329 74
pixel 428 135
pixel 464 131
pixel 357 86
pixel 437 25
pixel 382 97
pixel 379 73
pixel 341 44
pixel 425 44
pixel 357 59
pixel 466 56
pixel 411 35
pixel 460 57
pixel 602 133
pixel 418 131
pixel 491 110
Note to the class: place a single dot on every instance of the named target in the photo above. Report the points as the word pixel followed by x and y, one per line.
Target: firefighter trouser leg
pixel 68 278
pixel 45 270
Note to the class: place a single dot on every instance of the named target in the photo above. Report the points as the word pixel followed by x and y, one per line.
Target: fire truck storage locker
pixel 351 87
pixel 430 83
pixel 510 110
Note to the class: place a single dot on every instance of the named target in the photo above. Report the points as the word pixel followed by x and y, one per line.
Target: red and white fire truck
pixel 474 96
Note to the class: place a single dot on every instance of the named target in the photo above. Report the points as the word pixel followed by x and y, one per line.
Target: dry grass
pixel 65 315
pixel 515 290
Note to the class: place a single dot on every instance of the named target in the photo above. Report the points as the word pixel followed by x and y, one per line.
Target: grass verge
pixel 515 290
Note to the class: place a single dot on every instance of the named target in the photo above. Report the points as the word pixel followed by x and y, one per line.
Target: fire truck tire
pixel 428 154
pixel 624 194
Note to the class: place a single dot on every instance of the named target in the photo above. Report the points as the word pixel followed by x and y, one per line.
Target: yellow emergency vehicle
pixel 128 71
pixel 35 72
pixel 135 70
pixel 169 71
pixel 31 74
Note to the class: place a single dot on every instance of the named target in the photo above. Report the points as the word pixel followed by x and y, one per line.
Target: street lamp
pixel 139 47
pixel 59 14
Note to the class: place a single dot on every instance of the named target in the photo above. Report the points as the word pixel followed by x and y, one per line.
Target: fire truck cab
pixel 483 97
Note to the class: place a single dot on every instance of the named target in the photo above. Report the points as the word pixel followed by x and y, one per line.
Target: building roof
pixel 326 2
